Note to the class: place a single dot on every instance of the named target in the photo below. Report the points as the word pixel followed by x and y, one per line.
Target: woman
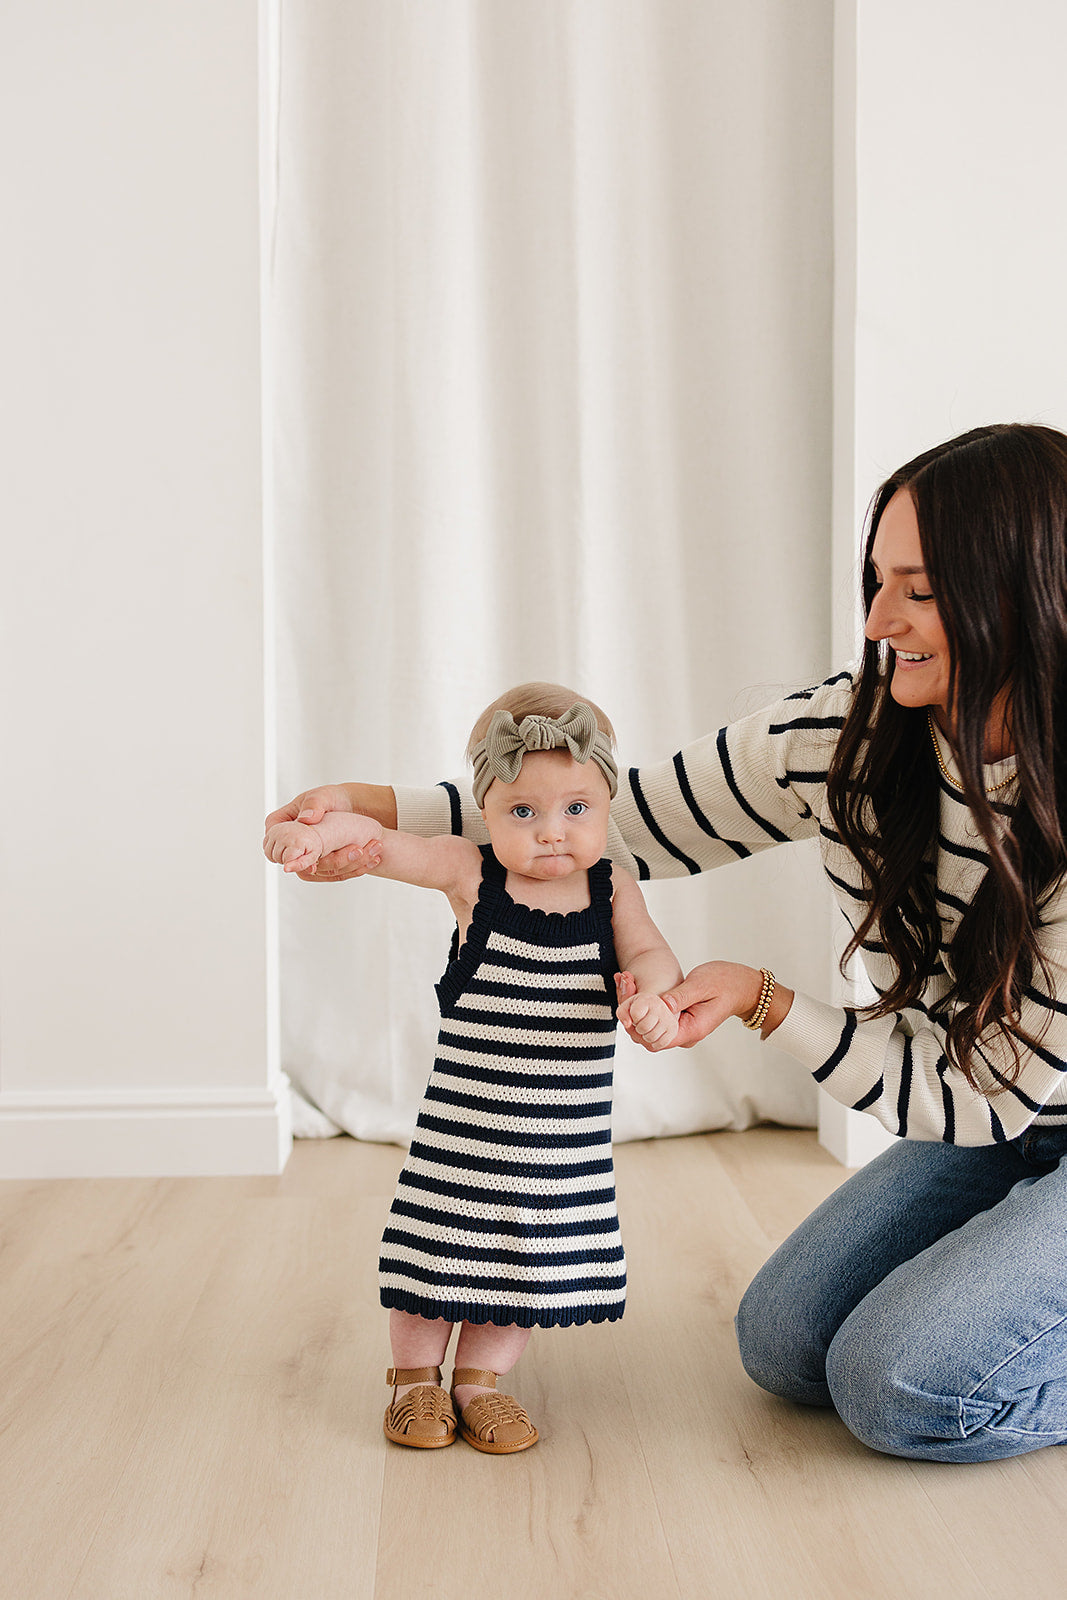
pixel 927 1298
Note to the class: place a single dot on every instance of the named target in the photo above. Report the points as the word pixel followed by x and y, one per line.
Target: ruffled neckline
pixel 495 908
pixel 494 889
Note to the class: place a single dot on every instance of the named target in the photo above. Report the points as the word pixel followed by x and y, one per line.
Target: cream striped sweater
pixel 762 782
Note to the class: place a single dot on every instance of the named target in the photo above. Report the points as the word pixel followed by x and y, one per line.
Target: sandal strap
pixel 478 1375
pixel 397 1375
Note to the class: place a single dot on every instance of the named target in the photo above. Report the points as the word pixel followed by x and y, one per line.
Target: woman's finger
pixel 693 990
pixel 283 814
pixel 697 1021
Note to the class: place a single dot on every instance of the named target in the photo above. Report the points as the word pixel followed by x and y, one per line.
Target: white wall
pixel 950 243
pixel 133 994
pixel 135 1021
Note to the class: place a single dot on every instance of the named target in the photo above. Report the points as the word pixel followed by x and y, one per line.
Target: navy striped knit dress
pixel 505 1208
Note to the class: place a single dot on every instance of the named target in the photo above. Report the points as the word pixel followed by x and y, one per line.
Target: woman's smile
pixel 904 612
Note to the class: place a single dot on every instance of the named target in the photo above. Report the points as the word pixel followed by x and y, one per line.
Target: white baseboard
pixel 145 1133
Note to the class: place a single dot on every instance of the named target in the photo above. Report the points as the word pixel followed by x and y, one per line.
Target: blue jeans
pixel 927 1301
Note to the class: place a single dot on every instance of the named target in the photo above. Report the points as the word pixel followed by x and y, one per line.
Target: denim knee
pixel 900 1402
pixel 870 1397
pixel 776 1351
pixel 893 1408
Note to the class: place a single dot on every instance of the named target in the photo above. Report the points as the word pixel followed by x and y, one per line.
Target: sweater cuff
pixel 426 812
pixel 446 808
pixel 810 1031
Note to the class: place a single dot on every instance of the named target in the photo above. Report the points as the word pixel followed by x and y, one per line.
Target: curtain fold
pixel 550 307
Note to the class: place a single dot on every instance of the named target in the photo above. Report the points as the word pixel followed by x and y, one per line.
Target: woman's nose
pixel 881 623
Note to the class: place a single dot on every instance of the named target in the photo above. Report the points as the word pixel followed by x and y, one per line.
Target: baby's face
pixel 553 820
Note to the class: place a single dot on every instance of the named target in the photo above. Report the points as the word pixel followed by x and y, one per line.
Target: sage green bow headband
pixel 500 753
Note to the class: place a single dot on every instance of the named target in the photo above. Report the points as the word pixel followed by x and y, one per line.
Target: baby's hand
pixel 646 1017
pixel 360 833
pixel 295 846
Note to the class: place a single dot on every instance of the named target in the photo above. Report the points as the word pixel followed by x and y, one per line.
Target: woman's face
pixel 904 611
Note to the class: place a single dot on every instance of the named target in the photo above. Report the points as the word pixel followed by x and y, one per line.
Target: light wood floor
pixel 191 1390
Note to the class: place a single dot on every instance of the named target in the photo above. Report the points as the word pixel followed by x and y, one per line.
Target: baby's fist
pixel 649 1019
pixel 294 846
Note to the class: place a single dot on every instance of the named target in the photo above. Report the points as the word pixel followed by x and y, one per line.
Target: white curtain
pixel 549 307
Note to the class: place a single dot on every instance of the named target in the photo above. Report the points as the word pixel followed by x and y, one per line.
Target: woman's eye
pixel 576 808
pixel 920 597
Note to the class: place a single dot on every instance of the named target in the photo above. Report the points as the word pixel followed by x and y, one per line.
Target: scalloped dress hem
pixel 500 1316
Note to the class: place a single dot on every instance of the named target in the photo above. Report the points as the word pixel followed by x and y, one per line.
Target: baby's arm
pixel 648 965
pixel 368 799
pixel 298 846
pixel 446 862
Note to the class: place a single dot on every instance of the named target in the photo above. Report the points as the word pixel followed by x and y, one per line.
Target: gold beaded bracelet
pixel 759 1016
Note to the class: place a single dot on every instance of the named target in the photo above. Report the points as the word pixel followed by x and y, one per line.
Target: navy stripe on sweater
pixel 454 808
pixel 740 850
pixel 843 1046
pixel 653 826
pixel 728 773
pixel 904 1088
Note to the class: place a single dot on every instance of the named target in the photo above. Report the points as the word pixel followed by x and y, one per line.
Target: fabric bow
pixel 500 754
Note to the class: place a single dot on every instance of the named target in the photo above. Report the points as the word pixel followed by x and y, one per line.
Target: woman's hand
pixel 708 996
pixel 372 800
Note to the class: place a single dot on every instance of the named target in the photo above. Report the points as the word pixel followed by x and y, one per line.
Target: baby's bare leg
pixel 417 1342
pixel 483 1344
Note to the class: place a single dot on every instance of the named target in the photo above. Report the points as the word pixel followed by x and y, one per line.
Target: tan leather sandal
pixel 495 1423
pixel 424 1417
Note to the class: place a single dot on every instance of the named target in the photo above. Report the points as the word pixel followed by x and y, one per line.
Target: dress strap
pixel 600 881
pixel 492 871
pixel 463 960
pixel 600 903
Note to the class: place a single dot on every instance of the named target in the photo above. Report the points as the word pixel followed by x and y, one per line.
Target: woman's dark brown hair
pixel 992 513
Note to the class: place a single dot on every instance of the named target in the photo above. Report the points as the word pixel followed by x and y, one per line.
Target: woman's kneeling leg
pixel 961 1354
pixel 894 1208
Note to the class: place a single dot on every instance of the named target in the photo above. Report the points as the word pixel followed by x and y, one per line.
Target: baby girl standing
pixel 504 1217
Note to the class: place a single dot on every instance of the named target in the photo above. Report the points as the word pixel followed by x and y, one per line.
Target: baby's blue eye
pixel 576 808
pixel 522 812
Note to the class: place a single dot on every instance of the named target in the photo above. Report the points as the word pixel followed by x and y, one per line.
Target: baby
pixel 504 1216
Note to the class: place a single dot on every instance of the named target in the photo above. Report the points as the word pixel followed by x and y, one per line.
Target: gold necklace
pixel 1003 784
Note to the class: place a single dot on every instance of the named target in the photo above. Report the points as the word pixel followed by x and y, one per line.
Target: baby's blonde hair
pixel 535 700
